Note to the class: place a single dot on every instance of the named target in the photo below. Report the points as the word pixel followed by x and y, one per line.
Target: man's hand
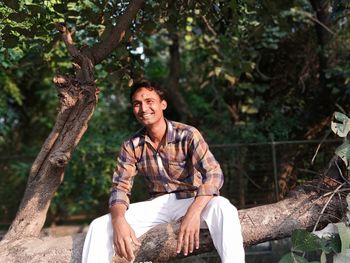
pixel 123 238
pixel 188 237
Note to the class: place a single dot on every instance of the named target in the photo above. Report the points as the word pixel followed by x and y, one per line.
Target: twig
pixel 308 171
pixel 67 39
pixel 340 108
pixel 325 206
pixel 319 146
pixel 341 173
pixel 210 28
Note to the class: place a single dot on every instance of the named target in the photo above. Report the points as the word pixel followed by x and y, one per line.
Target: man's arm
pixel 123 234
pixel 125 170
pixel 212 179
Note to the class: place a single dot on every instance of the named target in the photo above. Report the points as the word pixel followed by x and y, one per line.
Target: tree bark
pixel 319 202
pixel 78 97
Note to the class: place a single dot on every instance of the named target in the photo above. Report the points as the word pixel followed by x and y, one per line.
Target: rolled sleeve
pixel 205 163
pixel 123 176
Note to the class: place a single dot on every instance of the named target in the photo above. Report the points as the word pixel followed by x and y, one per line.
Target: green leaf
pixel 23 31
pixel 292 258
pixel 332 245
pixel 60 8
pixel 344 233
pixel 36 9
pixel 18 17
pixel 343 151
pixel 12 4
pixel 10 40
pixel 6 30
pixel 343 128
pixel 305 241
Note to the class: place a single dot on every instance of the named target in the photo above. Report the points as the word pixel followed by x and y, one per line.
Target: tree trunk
pixel 78 97
pixel 78 100
pixel 322 9
pixel 319 202
pixel 175 98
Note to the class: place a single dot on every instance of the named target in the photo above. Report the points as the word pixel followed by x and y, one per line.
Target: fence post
pixel 274 160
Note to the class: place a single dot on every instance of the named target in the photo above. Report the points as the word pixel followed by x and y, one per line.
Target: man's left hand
pixel 188 237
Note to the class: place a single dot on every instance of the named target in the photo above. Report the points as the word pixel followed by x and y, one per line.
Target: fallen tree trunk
pixel 319 202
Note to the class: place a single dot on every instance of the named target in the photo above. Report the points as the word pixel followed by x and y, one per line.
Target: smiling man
pixel 183 179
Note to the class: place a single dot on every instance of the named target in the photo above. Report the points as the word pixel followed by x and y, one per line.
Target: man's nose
pixel 142 106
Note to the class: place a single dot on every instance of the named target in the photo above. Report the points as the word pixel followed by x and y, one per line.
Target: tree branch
pixel 104 48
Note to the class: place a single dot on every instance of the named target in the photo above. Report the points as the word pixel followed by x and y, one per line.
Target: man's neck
pixel 156 132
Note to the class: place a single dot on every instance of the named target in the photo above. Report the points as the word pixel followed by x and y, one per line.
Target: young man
pixel 183 178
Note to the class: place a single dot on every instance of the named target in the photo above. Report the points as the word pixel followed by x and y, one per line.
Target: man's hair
pixel 148 85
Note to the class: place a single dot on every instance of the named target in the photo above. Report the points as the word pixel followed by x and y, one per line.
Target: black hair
pixel 150 86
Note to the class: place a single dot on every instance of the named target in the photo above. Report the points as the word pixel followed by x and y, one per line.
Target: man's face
pixel 148 106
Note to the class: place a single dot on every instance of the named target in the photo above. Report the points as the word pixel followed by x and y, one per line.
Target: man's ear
pixel 164 104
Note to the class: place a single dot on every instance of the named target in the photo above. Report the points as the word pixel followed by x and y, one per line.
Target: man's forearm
pixel 199 204
pixel 117 211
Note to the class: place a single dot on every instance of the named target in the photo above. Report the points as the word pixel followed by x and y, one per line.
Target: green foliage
pixel 293 258
pixel 249 70
pixel 304 241
pixel 342 129
pixel 339 243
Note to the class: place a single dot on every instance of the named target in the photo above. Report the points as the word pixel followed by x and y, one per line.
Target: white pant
pixel 219 216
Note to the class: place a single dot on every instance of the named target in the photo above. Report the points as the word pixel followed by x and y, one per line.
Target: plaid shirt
pixel 183 165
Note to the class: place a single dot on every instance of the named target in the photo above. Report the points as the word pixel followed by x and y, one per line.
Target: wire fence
pixel 255 173
pixel 262 173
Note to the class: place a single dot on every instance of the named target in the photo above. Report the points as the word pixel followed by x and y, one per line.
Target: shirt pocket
pixel 177 169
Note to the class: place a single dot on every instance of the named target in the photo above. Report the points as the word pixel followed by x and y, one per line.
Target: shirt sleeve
pixel 123 176
pixel 204 162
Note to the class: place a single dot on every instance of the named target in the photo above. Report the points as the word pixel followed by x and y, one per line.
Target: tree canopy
pixel 241 71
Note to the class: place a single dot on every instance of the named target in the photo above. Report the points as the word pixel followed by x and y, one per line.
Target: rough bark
pixel 78 98
pixel 321 201
pixel 104 48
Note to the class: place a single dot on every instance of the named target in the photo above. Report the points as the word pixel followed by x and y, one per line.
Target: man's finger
pixel 179 242
pixel 185 243
pixel 116 249
pixel 128 248
pixel 134 239
pixel 191 242
pixel 196 239
pixel 121 248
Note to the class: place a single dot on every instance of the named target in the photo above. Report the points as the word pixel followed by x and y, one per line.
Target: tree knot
pixel 59 159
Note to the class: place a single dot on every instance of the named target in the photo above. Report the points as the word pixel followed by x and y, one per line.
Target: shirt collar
pixel 170 132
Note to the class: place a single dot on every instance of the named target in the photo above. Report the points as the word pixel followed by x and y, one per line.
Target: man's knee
pixel 101 222
pixel 222 203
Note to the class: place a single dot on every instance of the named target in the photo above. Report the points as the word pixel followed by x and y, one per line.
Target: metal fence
pixel 255 173
pixel 262 173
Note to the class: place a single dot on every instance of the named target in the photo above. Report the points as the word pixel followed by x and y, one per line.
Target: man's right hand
pixel 123 234
pixel 123 237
